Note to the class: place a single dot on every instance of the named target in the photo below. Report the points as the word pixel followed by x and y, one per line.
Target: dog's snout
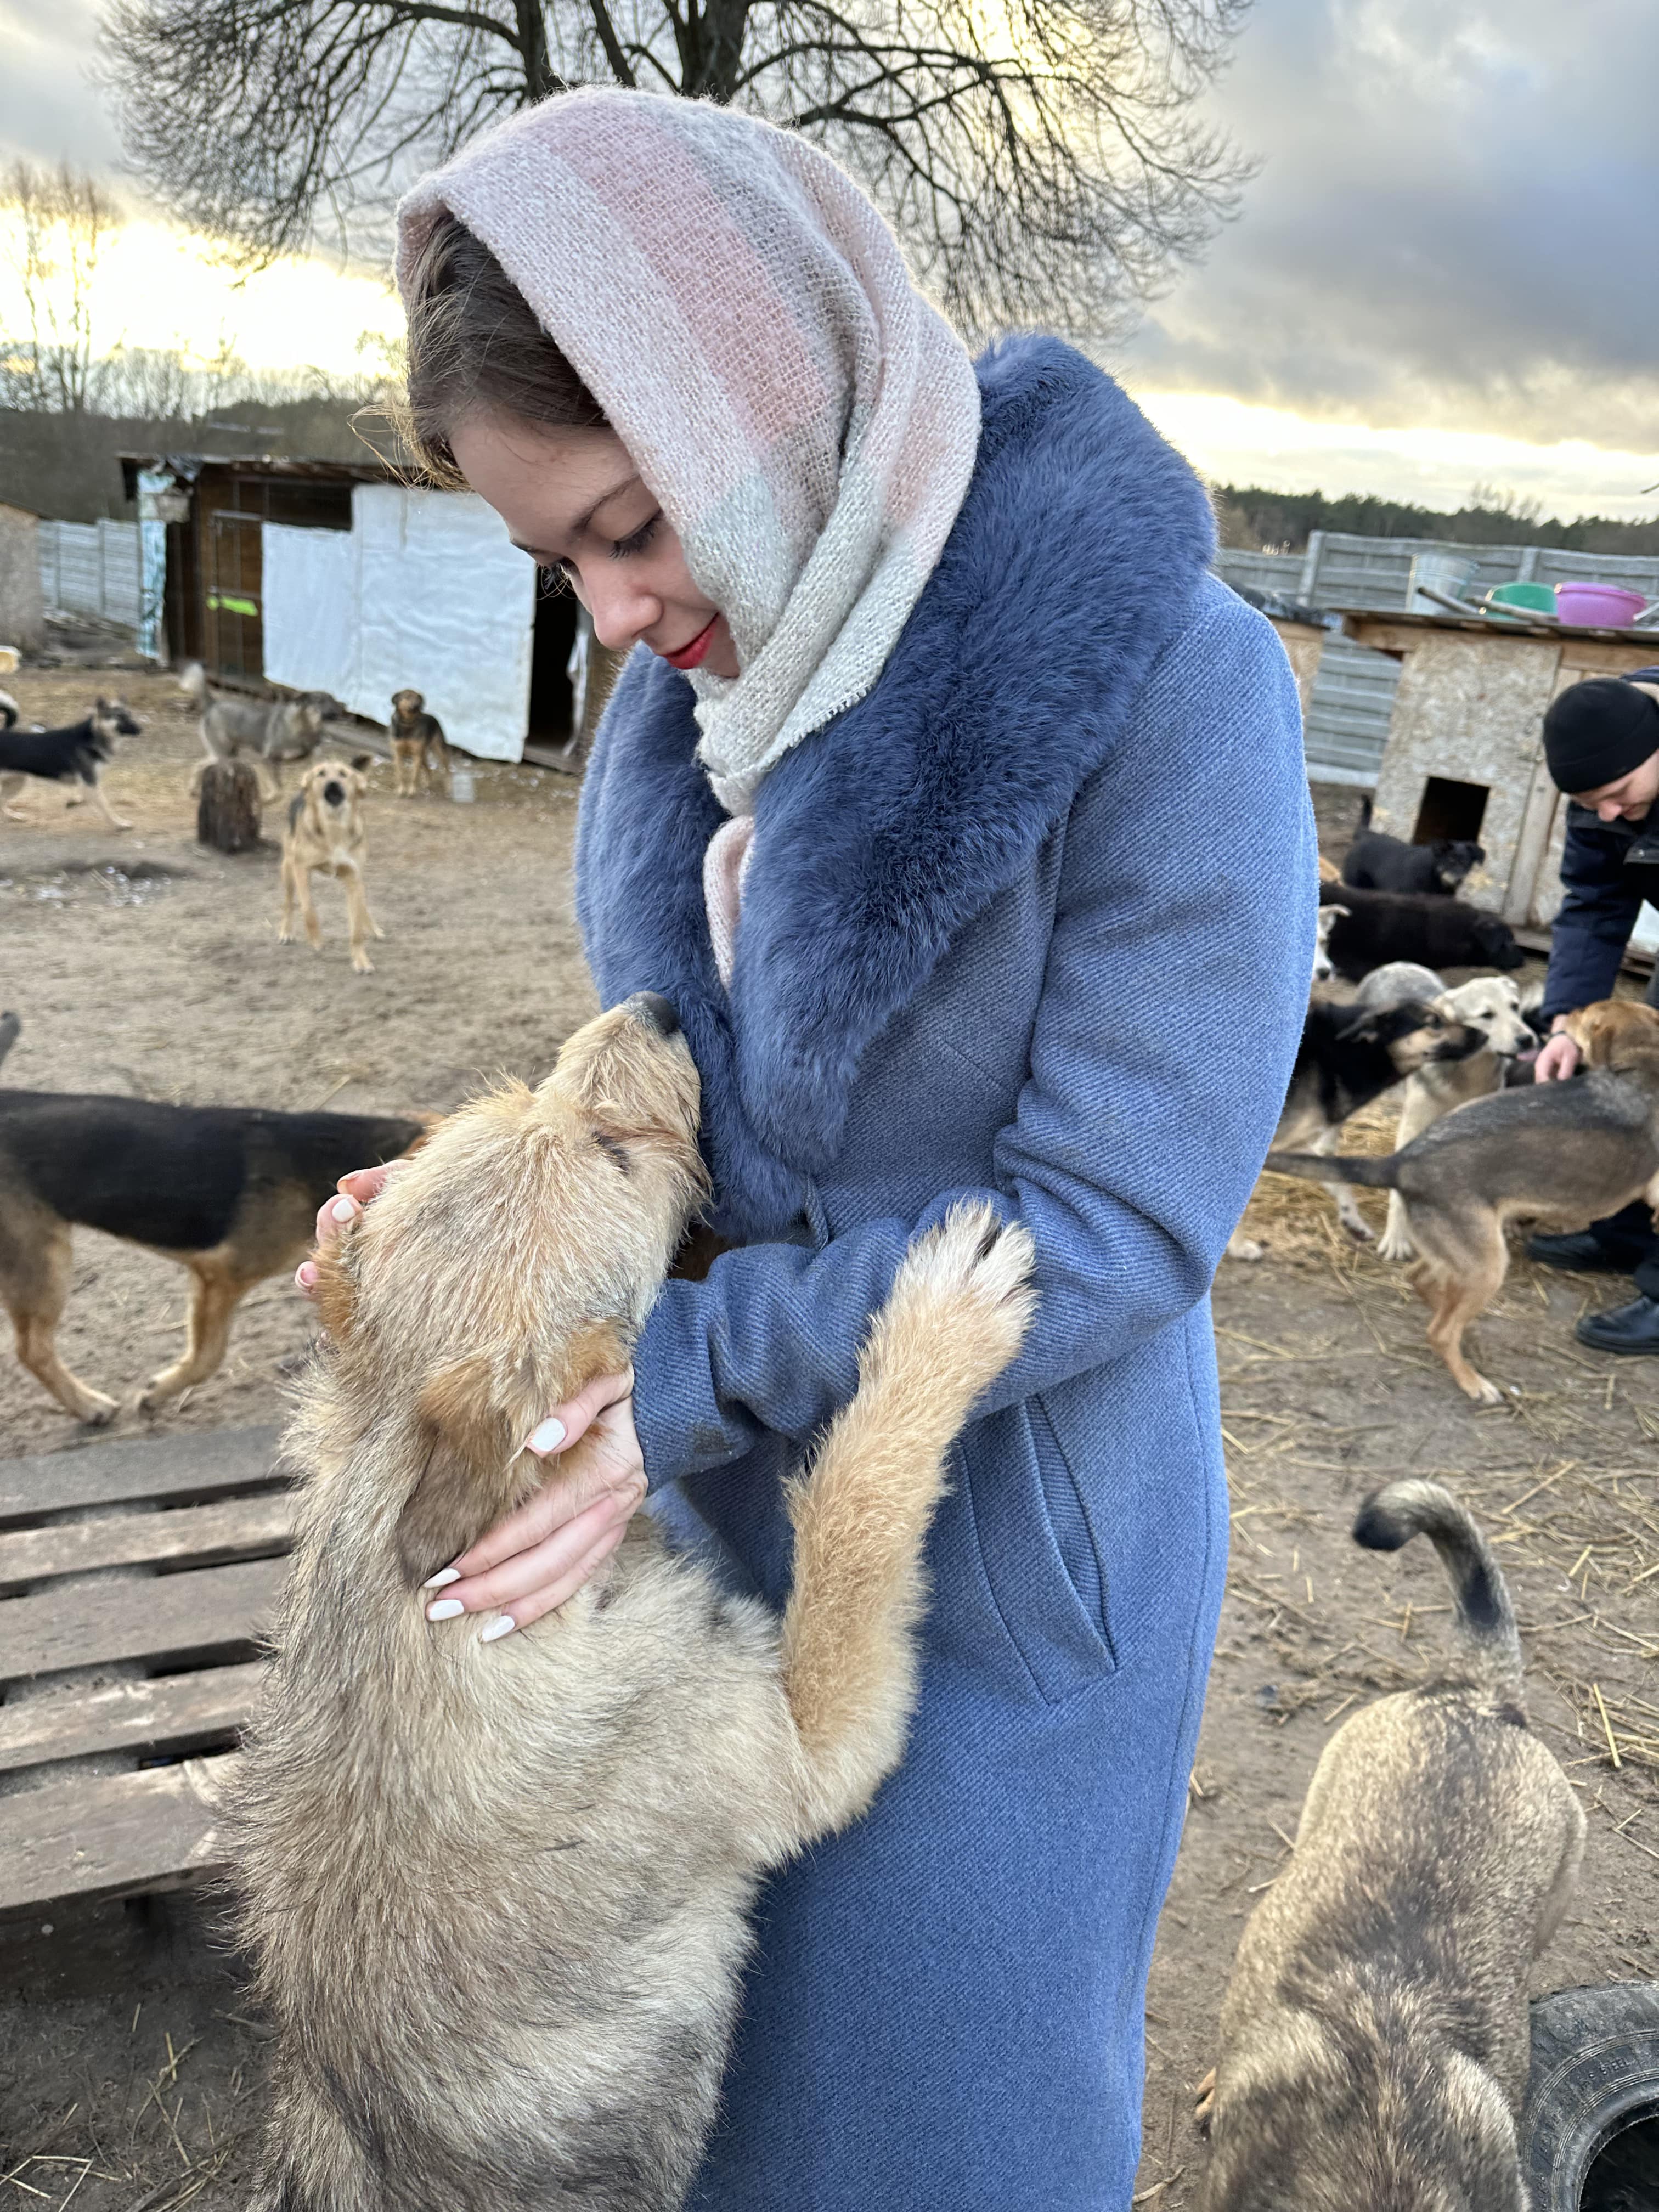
pixel 334 791
pixel 655 1012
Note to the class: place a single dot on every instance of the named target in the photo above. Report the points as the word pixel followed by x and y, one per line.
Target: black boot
pixel 1634 1328
pixel 1578 1252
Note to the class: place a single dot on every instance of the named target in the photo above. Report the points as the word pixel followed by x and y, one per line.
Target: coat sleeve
pixel 1595 919
pixel 1172 1002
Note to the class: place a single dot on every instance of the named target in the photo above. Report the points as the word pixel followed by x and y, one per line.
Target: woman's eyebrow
pixel 539 552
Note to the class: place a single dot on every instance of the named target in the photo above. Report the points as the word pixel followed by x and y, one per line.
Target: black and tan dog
pixel 229 1192
pixel 326 831
pixel 1566 1153
pixel 76 756
pixel 497 1891
pixel 1349 1056
pixel 1374 2038
pixel 419 750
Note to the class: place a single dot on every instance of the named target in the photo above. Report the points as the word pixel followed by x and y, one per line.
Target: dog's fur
pixel 1327 917
pixel 1491 1003
pixel 1349 1056
pixel 10 713
pixel 497 1894
pixel 1562 1152
pixel 1438 933
pixel 1374 2039
pixel 229 1192
pixel 269 731
pixel 1376 862
pixel 75 754
pixel 325 830
pixel 419 750
pixel 1328 871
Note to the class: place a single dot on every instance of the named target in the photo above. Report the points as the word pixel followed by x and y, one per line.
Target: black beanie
pixel 1597 731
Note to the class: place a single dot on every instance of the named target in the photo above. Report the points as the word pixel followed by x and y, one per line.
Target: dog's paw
pixel 361 963
pixel 964 1291
pixel 1485 1392
pixel 97 1411
pixel 1392 1247
pixel 1204 2103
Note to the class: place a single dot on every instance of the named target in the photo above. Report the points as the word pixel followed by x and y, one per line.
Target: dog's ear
pixel 468 1444
pixel 361 761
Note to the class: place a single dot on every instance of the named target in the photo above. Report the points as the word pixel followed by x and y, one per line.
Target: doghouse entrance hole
pixel 1624 2176
pixel 1450 809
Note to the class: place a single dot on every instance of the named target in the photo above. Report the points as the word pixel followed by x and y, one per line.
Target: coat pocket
pixel 1038 1552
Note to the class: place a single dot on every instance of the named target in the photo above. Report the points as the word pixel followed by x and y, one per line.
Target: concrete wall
pixel 20 605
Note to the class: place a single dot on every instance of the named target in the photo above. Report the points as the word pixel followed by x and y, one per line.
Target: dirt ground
pixel 131 2065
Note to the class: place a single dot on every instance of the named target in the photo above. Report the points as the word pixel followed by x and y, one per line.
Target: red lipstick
pixel 690 655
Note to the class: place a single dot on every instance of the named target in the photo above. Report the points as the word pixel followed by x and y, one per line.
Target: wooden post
pixel 228 810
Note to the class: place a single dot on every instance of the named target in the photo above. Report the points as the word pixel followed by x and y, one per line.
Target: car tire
pixel 1595 2072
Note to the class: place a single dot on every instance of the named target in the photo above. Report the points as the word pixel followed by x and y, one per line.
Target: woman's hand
pixel 541 1555
pixel 1558 1060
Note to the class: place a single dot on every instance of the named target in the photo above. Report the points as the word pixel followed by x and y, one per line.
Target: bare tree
pixel 58 221
pixel 1042 159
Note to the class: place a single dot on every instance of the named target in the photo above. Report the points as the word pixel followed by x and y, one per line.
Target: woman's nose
pixel 622 612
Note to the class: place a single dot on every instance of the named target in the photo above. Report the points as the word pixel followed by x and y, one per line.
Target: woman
pixel 961 814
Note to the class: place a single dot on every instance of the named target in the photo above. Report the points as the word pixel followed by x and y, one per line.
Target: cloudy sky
pixel 1444 270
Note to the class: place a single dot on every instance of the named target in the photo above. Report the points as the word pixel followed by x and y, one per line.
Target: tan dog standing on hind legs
pixel 496 1887
pixel 326 831
pixel 1374 2039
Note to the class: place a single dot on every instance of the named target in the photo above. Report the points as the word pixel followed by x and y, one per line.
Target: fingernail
pixel 503 1625
pixel 305 1274
pixel 546 1439
pixel 444 1577
pixel 445 1608
pixel 342 1210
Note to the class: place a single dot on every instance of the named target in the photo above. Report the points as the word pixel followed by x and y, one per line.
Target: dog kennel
pixel 337 576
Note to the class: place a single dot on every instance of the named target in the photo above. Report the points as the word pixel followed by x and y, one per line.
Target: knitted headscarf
pixel 743 316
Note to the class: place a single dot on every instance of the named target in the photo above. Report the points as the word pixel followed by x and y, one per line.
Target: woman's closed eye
pixel 637 540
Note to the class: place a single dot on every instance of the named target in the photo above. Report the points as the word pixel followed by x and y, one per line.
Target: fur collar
pixel 877 839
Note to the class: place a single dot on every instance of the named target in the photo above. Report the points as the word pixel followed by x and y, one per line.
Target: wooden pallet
pixel 207 1521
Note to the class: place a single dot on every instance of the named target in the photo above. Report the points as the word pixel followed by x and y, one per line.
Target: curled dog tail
pixel 1485 1619
pixel 193 682
pixel 1364 822
pixel 1339 1167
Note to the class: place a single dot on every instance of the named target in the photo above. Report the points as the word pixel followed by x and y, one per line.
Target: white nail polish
pixel 546 1439
pixel 442 1579
pixel 445 1608
pixel 503 1625
pixel 342 1210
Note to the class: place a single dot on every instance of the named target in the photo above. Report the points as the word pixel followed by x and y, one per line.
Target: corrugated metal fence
pixel 91 569
pixel 1352 698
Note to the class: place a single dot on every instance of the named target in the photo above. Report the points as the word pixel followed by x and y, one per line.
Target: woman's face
pixel 574 500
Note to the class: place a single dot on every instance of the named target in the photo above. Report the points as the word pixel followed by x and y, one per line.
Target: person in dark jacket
pixel 1601 744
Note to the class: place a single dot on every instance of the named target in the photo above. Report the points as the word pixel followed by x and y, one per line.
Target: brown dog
pixel 418 747
pixel 1562 1152
pixel 326 831
pixel 497 1891
pixel 1374 2038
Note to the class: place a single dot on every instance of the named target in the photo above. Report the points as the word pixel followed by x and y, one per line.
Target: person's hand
pixel 355 1190
pixel 1559 1059
pixel 541 1555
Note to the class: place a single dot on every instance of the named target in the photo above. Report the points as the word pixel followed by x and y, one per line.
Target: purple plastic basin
pixel 1605 606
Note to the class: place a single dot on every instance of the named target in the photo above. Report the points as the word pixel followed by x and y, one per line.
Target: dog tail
pixel 1368 1173
pixel 10 1026
pixel 193 682
pixel 1485 1618
pixel 1365 811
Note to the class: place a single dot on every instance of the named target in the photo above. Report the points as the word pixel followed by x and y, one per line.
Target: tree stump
pixel 227 809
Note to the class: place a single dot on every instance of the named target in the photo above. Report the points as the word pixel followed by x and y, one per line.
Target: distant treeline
pixel 1281 521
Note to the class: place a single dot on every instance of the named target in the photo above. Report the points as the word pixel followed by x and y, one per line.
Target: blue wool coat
pixel 1034 918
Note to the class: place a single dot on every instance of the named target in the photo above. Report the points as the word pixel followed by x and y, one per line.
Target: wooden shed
pixel 339 576
pixel 1465 758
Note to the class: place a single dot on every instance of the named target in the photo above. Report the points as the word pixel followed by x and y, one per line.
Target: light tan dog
pixel 326 831
pixel 1491 1003
pixel 1374 2039
pixel 419 752
pixel 1566 1153
pixel 497 1890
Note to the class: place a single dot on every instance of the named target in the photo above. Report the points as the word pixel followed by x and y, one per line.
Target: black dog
pixel 1434 931
pixel 75 754
pixel 1376 862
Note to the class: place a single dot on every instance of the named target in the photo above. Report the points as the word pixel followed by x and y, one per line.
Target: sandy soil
pixel 134 2064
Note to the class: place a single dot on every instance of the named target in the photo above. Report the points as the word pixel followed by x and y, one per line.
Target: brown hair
pixel 474 342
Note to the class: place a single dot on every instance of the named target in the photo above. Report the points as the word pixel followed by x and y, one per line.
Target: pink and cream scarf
pixel 742 315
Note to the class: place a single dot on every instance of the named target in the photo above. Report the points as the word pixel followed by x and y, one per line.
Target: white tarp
pixel 426 592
